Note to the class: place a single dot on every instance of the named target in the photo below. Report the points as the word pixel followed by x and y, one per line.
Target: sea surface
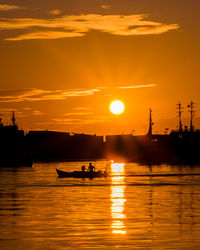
pixel 136 207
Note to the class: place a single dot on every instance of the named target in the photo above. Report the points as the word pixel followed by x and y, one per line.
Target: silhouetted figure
pixel 91 168
pixel 83 168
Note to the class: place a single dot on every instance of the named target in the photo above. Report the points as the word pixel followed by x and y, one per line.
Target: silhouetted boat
pixel 81 174
pixel 14 149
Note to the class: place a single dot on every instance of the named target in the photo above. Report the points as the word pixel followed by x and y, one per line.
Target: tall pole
pixel 13 118
pixel 150 122
pixel 192 114
pixel 179 107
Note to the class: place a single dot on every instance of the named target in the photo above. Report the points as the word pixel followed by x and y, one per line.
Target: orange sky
pixel 63 62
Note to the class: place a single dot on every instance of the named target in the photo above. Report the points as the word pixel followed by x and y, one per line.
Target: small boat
pixel 82 174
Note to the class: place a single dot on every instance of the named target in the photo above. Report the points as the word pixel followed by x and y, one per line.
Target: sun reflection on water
pixel 117 198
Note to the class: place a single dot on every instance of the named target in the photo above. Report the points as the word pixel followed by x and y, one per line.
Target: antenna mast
pixel 180 111
pixel 192 114
pixel 150 122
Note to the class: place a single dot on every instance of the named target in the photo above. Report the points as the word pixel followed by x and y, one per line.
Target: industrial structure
pixel 181 146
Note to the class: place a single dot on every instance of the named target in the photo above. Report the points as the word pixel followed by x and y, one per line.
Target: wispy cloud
pixel 2 110
pixel 80 92
pixel 21 95
pixel 106 6
pixel 82 108
pixel 79 25
pixel 27 108
pixel 55 12
pixel 79 121
pixel 78 113
pixel 137 86
pixel 5 7
pixel 45 35
pixel 42 95
pixel 37 112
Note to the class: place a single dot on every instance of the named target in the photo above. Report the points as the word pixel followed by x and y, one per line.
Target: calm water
pixel 40 211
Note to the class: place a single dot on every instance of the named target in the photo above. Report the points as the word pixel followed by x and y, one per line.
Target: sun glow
pixel 117 107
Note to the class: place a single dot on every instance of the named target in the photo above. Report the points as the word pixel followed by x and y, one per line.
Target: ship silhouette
pixel 13 146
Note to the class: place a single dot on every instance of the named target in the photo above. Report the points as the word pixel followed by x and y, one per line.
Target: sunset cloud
pixel 5 110
pixel 137 86
pixel 42 95
pixel 34 94
pixel 82 108
pixel 45 35
pixel 5 7
pixel 80 25
pixel 55 12
pixel 71 121
pixel 27 108
pixel 106 6
pixel 78 113
pixel 37 112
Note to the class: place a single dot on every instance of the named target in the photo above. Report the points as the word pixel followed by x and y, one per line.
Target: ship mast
pixel 192 114
pixel 13 119
pixel 150 122
pixel 180 108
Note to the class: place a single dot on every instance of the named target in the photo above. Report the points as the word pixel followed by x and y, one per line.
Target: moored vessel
pixel 82 174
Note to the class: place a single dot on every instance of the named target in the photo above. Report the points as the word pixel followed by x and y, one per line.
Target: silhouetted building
pixel 51 145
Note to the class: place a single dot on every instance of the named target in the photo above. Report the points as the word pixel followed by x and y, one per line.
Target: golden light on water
pixel 117 169
pixel 117 107
pixel 117 198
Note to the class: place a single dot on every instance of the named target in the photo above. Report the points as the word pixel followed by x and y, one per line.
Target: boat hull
pixel 80 174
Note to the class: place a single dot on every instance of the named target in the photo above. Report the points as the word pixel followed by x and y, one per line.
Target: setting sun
pixel 117 107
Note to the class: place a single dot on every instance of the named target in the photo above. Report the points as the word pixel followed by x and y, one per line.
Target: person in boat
pixel 83 168
pixel 91 168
